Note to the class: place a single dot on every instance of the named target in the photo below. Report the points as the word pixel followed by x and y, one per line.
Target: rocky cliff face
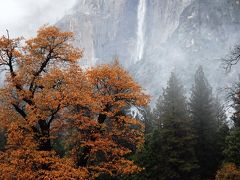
pixel 105 29
pixel 205 32
pixel 162 20
pixel 176 35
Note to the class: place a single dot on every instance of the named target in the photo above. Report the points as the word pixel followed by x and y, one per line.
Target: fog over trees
pixel 119 89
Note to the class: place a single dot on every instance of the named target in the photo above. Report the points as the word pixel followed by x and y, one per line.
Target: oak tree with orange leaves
pixel 228 171
pixel 46 93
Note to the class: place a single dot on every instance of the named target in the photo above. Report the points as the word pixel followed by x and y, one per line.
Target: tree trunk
pixel 44 136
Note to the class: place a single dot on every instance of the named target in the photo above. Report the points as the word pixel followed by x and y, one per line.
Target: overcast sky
pixel 24 17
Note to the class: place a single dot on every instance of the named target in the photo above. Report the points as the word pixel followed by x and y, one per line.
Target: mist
pixel 150 38
pixel 141 92
pixel 23 18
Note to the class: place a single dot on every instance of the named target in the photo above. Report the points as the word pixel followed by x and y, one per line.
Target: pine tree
pixel 157 113
pixel 233 145
pixel 222 131
pixel 203 114
pixel 148 120
pixel 231 151
pixel 169 152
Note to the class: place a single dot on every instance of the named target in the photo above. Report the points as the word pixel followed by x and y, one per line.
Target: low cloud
pixel 23 18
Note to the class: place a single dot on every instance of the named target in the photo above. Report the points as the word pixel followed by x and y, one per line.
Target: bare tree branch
pixel 232 58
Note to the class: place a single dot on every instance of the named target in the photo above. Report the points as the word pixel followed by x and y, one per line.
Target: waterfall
pixel 141 28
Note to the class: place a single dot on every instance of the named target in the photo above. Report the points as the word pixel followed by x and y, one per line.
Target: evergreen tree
pixel 203 114
pixel 220 112
pixel 157 121
pixel 233 146
pixel 222 130
pixel 148 120
pixel 233 140
pixel 169 153
pixel 235 95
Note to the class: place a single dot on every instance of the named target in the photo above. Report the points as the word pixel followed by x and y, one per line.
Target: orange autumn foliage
pixel 228 171
pixel 104 140
pixel 47 93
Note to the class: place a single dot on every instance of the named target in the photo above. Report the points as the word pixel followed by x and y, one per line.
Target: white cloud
pixel 24 17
